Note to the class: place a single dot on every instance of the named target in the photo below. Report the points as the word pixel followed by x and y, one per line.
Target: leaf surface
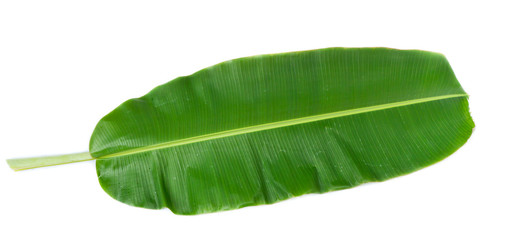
pixel 262 129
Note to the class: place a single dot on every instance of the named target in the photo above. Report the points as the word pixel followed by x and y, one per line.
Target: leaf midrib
pixel 279 124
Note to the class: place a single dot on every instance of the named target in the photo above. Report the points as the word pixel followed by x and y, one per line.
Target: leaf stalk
pixel 19 164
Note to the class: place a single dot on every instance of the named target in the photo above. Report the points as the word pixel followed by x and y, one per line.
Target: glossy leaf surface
pixel 262 129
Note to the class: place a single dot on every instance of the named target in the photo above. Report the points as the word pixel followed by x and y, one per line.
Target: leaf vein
pixel 279 124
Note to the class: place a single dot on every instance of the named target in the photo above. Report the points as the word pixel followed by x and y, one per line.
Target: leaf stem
pixel 36 162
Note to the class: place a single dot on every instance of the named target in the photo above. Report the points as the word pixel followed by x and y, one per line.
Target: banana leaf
pixel 266 128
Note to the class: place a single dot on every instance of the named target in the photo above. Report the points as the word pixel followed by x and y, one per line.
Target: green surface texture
pixel 266 128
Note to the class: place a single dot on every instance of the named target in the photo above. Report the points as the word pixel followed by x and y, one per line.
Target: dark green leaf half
pixel 262 129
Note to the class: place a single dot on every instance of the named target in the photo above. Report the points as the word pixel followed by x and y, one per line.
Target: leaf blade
pixel 238 170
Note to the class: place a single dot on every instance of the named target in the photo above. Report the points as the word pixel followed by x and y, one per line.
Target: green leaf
pixel 262 129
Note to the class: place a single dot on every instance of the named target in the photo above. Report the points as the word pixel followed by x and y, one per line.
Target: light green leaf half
pixel 262 129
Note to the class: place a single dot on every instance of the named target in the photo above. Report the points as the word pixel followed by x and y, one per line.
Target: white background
pixel 65 64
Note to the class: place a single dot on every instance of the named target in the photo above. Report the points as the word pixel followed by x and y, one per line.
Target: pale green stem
pixel 35 162
pixel 28 163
